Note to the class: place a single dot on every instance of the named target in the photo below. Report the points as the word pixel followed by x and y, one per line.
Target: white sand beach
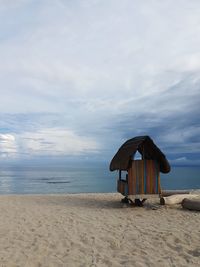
pixel 95 230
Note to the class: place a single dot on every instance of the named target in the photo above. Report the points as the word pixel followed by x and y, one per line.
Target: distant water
pixel 181 178
pixel 81 179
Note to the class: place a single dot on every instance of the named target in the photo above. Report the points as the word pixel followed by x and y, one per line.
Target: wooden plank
pixel 166 193
pixel 176 199
pixel 191 204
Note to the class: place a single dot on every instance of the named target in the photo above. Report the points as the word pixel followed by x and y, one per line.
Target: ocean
pixel 58 179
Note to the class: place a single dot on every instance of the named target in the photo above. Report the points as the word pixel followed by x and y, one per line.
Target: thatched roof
pixel 146 147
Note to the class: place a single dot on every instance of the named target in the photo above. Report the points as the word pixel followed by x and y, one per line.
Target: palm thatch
pixel 146 147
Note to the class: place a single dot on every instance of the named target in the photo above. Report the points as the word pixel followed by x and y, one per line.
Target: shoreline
pixel 191 191
pixel 95 229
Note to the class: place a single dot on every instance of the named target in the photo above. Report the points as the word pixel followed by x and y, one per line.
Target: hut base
pixel 137 202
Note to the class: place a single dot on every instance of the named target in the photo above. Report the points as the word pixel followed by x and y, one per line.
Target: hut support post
pixel 143 152
pixel 120 175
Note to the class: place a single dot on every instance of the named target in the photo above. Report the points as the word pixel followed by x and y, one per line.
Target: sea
pixel 82 178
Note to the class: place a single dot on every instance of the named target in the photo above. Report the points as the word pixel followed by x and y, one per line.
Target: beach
pixel 95 230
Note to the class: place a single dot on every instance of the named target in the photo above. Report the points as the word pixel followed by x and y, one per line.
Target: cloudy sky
pixel 79 77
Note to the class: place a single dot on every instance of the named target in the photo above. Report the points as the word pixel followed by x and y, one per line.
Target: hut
pixel 142 177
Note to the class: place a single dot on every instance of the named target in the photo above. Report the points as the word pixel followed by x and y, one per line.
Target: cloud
pixel 54 142
pixel 123 68
pixel 7 138
pixel 8 147
pixel 185 161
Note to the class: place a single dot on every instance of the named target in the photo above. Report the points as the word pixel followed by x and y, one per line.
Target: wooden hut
pixel 139 178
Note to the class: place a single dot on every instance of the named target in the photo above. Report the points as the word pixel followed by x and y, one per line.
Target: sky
pixel 80 77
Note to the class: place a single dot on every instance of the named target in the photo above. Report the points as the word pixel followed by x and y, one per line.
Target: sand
pixel 95 230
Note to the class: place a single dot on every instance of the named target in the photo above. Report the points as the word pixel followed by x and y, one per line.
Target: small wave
pixel 52 178
pixel 58 182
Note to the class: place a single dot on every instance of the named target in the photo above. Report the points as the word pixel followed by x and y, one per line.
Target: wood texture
pixel 191 204
pixel 143 177
pixel 166 193
pixel 176 199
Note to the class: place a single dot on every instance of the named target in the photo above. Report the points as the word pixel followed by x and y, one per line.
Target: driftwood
pixel 176 199
pixel 166 193
pixel 191 204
